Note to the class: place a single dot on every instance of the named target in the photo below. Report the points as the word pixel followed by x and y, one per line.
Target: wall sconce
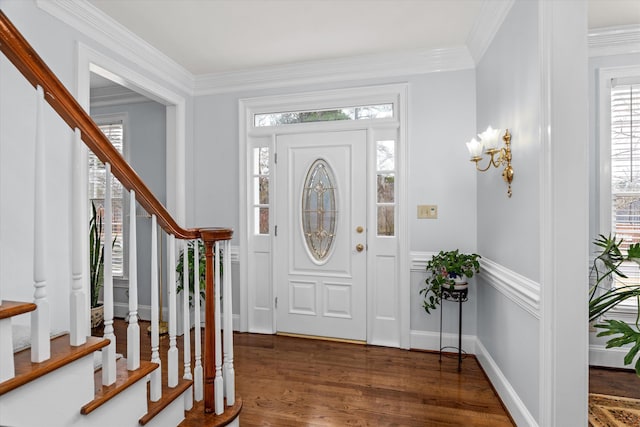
pixel 489 140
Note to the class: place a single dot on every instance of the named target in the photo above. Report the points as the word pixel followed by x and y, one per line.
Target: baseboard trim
pixel 427 340
pixel 599 355
pixel 121 310
pixel 515 406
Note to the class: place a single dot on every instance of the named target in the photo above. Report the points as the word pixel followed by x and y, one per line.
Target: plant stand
pixel 459 296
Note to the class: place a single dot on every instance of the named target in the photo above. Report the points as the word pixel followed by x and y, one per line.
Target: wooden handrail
pixel 34 69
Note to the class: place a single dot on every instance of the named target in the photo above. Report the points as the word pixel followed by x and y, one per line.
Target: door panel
pixel 322 294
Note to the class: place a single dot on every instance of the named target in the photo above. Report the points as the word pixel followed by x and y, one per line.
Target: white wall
pixel 508 91
pixel 441 118
pixel 532 79
pixel 17 109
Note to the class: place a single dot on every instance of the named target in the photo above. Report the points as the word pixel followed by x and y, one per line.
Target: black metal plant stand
pixel 459 296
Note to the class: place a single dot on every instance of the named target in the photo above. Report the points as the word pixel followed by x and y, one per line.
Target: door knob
pixel 359 247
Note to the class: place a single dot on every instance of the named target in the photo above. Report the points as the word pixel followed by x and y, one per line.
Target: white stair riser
pixel 172 415
pixel 124 410
pixel 52 400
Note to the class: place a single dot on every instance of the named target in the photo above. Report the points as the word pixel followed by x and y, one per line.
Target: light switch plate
pixel 427 211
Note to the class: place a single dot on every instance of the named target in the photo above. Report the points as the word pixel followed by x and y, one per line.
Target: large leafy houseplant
pixel 443 270
pixel 603 295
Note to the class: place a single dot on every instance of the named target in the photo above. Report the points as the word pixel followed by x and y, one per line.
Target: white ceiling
pixel 215 36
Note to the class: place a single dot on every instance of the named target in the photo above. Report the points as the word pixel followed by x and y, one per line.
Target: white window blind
pixel 625 169
pixel 97 179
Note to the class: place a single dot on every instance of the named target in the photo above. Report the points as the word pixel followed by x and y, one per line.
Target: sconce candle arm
pixel 503 158
pixel 493 161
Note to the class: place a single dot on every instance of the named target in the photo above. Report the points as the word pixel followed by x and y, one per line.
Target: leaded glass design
pixel 319 210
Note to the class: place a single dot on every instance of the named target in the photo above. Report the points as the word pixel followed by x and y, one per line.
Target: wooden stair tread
pixel 62 353
pixel 168 396
pixel 124 379
pixel 196 417
pixel 14 308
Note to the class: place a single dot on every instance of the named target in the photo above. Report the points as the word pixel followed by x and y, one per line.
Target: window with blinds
pixel 97 184
pixel 625 170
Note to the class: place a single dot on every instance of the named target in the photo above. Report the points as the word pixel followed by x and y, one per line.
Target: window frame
pixel 604 163
pixel 103 120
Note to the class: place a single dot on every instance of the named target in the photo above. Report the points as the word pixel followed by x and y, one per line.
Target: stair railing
pixel 217 370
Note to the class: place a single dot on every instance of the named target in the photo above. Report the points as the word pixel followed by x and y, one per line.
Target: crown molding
pixel 343 69
pixel 619 40
pixel 96 25
pixel 491 17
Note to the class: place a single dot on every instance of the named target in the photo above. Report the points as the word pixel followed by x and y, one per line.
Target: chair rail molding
pixel 519 289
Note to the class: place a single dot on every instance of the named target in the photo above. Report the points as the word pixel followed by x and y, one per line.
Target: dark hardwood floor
pixel 287 381
pixel 615 382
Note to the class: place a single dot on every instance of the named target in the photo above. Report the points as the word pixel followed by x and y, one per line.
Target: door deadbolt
pixel 359 229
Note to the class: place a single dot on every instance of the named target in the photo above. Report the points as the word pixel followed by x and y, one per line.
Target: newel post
pixel 210 236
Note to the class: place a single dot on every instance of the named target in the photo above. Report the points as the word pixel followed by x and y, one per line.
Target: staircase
pixel 56 382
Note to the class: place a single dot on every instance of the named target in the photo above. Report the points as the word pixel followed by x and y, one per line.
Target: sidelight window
pixel 386 191
pixel 261 190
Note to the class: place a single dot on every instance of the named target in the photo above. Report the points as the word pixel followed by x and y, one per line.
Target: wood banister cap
pixel 215 234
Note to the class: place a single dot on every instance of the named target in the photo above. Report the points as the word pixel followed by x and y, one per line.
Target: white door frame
pixel 394 326
pixel 91 60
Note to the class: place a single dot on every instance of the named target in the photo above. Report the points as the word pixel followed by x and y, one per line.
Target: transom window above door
pixel 362 112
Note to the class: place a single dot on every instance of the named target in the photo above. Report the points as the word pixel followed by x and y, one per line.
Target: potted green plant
pixel 96 265
pixel 201 268
pixel 447 270
pixel 603 295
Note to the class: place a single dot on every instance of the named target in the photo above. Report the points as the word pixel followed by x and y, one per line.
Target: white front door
pixel 321 241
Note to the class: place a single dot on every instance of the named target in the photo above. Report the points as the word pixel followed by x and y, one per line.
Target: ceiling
pixel 218 36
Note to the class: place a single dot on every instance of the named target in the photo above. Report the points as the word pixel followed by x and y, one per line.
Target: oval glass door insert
pixel 319 210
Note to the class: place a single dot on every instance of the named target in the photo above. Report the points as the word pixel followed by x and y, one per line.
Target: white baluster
pixel 40 326
pixel 155 386
pixel 229 371
pixel 108 352
pixel 133 330
pixel 172 355
pixel 188 397
pixel 218 383
pixel 197 371
pixel 77 304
